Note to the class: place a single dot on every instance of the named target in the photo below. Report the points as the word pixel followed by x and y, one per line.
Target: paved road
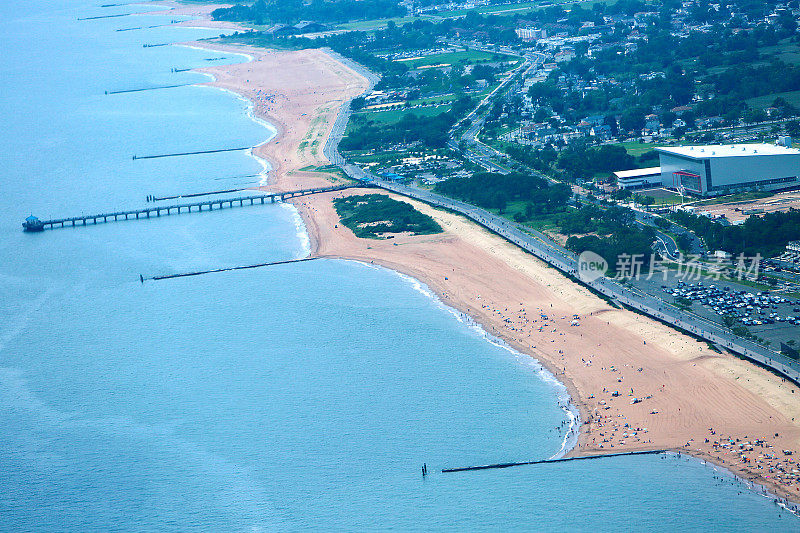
pixel 631 297
pixel 665 242
pixel 331 148
pixel 564 260
pixel 476 151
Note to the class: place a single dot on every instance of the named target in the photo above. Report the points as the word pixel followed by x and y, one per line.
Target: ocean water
pixel 303 396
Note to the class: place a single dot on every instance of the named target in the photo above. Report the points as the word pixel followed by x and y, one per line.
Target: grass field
pixel 394 115
pixel 444 99
pixel 510 8
pixel 763 102
pixel 662 196
pixel 738 197
pixel 375 24
pixel 519 8
pixel 636 148
pixel 785 50
pixel 451 58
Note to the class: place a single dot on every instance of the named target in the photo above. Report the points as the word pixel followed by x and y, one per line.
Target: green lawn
pixel 661 196
pixel 444 99
pixel 762 102
pixel 512 8
pixel 738 197
pixel 519 8
pixel 636 148
pixel 465 57
pixel 394 115
pixel 375 24
pixel 785 50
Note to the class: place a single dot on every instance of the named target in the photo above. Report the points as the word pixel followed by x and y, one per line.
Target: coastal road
pixel 564 260
pixel 631 297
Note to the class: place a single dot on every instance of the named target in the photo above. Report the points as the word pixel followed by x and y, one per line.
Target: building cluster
pixel 565 40
pixel 791 256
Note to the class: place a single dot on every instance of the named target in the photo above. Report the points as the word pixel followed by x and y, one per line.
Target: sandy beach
pixel 638 384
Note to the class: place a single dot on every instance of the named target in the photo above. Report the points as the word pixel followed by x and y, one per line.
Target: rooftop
pixel 637 172
pixel 728 150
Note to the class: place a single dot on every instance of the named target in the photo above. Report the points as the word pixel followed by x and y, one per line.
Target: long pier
pixel 544 461
pixel 177 209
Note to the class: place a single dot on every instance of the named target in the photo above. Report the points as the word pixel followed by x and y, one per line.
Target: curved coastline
pixel 568 448
pixel 315 239
pixel 310 244
pixel 562 393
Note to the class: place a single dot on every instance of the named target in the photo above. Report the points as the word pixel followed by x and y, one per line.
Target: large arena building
pixel 710 170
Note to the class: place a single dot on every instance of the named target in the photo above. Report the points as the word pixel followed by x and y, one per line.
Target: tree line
pixel 766 235
pixel 293 11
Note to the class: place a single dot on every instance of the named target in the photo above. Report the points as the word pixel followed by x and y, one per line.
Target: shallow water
pixel 300 396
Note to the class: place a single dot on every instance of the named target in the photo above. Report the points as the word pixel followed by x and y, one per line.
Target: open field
pixel 394 115
pixel 763 102
pixel 451 58
pixel 738 197
pixel 662 196
pixel 484 10
pixel 636 148
pixel 376 24
pixel 734 211
pixel 785 50
pixel 517 9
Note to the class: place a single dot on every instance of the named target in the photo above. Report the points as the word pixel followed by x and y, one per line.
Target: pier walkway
pixel 176 209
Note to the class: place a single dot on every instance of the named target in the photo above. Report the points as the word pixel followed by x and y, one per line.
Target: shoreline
pixel 326 243
pixel 562 390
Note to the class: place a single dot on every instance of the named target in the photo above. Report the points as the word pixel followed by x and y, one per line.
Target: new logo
pixel 591 266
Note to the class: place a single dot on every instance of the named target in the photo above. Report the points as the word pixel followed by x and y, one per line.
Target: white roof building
pixel 638 178
pixel 717 169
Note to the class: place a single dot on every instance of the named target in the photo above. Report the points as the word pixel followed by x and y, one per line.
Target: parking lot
pixel 766 314
pixel 749 308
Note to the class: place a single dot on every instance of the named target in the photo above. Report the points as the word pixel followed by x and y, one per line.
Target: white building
pixel 708 170
pixel 639 178
pixel 531 34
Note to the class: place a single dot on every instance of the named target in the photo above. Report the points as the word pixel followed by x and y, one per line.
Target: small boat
pixel 33 224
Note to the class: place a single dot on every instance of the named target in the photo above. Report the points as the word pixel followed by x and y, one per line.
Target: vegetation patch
pixel 766 235
pixel 611 233
pixel 496 191
pixel 376 216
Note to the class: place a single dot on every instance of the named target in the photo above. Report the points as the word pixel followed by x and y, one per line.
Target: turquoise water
pixel 304 396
